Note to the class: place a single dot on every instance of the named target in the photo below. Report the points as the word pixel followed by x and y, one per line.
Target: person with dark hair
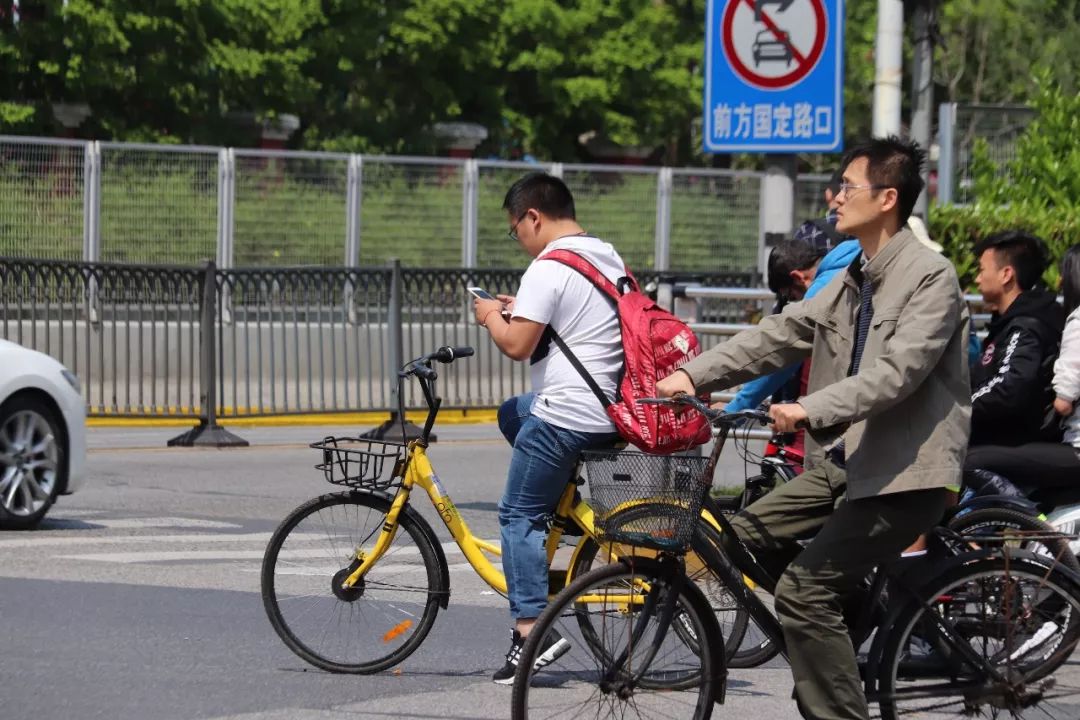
pixel 550 426
pixel 791 268
pixel 796 271
pixel 1042 463
pixel 1011 380
pixel 1067 365
pixel 887 413
pixel 821 232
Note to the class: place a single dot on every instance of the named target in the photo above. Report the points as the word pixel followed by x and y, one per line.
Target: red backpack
pixel 655 344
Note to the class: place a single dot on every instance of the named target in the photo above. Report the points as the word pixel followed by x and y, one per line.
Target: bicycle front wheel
pixel 1020 618
pixel 629 664
pixel 371 626
pixel 701 561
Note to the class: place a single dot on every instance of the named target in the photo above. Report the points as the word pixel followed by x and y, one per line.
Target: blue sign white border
pixel 838 95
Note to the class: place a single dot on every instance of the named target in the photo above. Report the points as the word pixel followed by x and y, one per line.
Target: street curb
pixel 446 417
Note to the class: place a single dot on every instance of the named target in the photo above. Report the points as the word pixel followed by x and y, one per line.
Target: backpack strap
pixel 613 292
pixel 589 380
pixel 592 274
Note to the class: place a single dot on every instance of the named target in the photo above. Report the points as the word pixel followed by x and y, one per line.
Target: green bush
pixel 1038 191
pixel 959 227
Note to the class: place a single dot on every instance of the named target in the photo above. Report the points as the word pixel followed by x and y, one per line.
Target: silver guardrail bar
pixel 762 295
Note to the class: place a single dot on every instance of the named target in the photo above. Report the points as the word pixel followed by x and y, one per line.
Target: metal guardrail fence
pixel 159 341
pixel 125 202
pixel 961 126
pixel 206 343
pixel 715 311
pixel 129 332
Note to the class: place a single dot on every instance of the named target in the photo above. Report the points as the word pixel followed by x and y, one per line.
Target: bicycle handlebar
pixel 450 354
pixel 716 417
pixel 421 366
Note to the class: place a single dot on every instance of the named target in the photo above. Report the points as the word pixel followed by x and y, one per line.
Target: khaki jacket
pixel 906 416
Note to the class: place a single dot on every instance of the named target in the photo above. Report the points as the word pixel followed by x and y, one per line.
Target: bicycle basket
pixel 648 500
pixel 359 462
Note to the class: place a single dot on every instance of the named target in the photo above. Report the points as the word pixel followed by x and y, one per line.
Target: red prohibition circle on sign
pixel 782 81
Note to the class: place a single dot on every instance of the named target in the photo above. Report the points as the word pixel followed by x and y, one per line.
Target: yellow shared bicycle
pixel 352 581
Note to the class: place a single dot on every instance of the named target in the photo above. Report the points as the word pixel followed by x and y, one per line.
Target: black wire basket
pixel 360 462
pixel 650 501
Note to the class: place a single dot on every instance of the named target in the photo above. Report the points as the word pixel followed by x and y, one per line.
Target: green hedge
pixel 960 227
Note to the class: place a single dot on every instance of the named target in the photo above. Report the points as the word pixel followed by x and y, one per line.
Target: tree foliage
pixel 989 50
pixel 376 76
pixel 1039 190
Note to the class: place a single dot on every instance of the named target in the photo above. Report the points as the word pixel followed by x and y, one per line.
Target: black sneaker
pixel 555 646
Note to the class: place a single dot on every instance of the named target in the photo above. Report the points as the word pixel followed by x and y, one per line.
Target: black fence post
pixel 396 425
pixel 208 433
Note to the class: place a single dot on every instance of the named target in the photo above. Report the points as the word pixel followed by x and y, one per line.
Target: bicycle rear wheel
pixel 631 666
pixel 364 629
pixel 1018 530
pixel 1017 615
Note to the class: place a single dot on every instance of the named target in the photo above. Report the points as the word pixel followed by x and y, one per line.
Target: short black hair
pixel 893 163
pixel 788 255
pixel 1024 252
pixel 1070 278
pixel 542 192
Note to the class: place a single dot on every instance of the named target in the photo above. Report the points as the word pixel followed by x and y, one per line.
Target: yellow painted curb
pixel 446 417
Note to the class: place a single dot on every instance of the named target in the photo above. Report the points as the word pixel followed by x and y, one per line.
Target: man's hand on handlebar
pixel 716 417
pixel 675 383
pixel 787 417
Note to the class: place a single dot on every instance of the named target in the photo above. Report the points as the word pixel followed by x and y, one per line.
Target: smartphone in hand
pixel 480 293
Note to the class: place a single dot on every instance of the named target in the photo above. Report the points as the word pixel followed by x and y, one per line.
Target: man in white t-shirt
pixel 549 427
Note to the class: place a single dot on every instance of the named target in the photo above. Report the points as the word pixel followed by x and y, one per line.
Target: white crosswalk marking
pixel 73 543
pixel 163 522
pixel 193 552
pixel 134 539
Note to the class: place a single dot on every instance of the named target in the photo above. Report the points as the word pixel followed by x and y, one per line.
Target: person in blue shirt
pixel 796 270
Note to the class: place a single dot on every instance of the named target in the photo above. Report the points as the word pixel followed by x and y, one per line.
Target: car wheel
pixel 31 462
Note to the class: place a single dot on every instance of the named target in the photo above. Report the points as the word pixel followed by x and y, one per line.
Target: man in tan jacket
pixel 887 410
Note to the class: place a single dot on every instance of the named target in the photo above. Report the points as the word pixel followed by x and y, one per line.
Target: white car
pixel 42 434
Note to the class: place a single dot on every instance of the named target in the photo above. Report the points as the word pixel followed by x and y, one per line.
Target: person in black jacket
pixel 1011 380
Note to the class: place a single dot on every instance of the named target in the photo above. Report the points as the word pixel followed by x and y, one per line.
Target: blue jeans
pixel 543 459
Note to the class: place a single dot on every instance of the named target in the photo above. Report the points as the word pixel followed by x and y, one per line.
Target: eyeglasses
pixel 849 187
pixel 513 228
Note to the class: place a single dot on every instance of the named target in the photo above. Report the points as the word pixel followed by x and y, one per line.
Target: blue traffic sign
pixel 774 76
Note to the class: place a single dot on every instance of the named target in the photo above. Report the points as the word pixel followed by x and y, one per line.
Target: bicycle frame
pixel 420 473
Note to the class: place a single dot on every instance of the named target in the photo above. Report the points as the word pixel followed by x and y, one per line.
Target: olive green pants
pixel 849 539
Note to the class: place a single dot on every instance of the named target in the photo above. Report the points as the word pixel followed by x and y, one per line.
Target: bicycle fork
pixel 622 681
pixel 382 543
